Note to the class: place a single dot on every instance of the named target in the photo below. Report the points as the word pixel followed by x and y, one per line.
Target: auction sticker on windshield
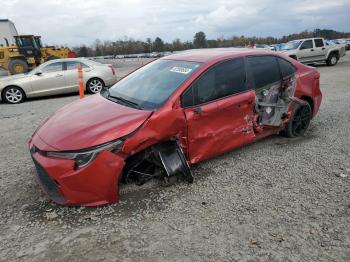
pixel 181 70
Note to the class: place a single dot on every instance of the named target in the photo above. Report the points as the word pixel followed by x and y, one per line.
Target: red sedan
pixel 167 115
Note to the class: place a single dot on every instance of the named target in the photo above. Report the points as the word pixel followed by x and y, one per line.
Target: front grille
pixel 49 185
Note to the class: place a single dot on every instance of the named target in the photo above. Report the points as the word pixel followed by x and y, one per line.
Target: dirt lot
pixel 276 200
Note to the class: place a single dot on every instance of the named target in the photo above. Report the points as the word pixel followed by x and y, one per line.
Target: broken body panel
pixel 164 141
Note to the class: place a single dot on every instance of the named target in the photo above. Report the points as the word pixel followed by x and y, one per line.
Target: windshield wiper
pixel 123 100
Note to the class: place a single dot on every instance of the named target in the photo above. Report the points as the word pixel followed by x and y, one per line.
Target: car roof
pixel 69 59
pixel 79 59
pixel 303 39
pixel 210 54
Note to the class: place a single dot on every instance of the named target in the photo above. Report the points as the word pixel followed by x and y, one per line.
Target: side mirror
pixel 38 73
pixel 177 104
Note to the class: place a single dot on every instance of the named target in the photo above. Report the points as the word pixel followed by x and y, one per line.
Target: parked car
pixel 314 50
pixel 263 46
pixel 55 77
pixel 171 113
pixel 277 47
pixel 343 42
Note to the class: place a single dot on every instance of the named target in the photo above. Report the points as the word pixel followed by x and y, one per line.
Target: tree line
pixel 131 46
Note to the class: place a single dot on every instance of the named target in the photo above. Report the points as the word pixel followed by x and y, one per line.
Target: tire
pixel 299 122
pixel 18 66
pixel 13 95
pixel 95 85
pixel 332 59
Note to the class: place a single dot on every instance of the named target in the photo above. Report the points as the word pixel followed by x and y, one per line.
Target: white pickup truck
pixel 314 50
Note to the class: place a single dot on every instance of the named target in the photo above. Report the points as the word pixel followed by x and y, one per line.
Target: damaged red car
pixel 167 115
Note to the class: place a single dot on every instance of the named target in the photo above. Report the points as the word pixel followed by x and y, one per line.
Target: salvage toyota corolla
pixel 167 115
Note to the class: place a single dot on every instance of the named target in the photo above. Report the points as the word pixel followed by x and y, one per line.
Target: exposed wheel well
pixel 334 52
pixel 3 91
pixel 310 101
pixel 165 157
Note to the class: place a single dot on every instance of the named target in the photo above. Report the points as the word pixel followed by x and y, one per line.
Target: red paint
pixel 72 54
pixel 90 122
pixel 221 125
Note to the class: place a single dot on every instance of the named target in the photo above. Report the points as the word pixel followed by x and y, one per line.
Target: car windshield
pixel 291 45
pixel 150 86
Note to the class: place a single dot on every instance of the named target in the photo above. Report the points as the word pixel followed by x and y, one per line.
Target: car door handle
pixel 323 48
pixel 312 50
pixel 59 75
pixel 197 110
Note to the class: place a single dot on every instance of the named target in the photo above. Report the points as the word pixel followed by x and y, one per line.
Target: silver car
pixel 55 77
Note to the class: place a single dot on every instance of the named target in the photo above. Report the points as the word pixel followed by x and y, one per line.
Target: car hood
pixel 89 122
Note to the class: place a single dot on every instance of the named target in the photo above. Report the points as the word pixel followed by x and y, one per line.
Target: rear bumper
pixel 95 184
pixel 317 95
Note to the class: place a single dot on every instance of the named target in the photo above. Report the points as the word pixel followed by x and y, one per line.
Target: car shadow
pixel 52 97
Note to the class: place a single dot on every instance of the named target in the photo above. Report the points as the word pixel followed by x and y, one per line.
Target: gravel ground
pixel 275 200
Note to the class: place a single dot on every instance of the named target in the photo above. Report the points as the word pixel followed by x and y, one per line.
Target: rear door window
pixel 264 69
pixel 287 69
pixel 71 65
pixel 319 43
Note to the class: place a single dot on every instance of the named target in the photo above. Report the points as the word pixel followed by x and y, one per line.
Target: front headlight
pixel 84 157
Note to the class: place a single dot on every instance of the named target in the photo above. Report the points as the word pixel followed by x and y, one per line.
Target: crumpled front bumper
pixel 95 184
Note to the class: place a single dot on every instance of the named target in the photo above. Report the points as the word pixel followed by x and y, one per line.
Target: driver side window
pixel 222 80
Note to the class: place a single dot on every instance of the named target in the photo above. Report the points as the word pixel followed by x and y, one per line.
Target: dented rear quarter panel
pixel 309 86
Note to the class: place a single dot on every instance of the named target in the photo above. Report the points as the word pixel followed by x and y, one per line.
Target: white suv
pixel 314 50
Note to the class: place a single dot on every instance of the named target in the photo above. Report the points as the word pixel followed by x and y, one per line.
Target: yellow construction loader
pixel 27 53
pixel 51 52
pixel 20 57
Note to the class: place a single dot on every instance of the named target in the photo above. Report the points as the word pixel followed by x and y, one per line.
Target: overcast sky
pixel 82 21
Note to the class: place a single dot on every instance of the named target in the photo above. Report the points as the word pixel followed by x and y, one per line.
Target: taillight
pixel 112 68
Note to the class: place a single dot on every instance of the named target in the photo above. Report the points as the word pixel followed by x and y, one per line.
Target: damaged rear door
pixel 275 84
pixel 219 110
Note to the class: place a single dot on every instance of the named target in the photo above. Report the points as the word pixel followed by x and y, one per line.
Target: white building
pixel 7 32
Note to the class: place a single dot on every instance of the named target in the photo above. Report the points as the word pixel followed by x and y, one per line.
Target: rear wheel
pixel 13 95
pixel 18 66
pixel 332 59
pixel 95 86
pixel 300 120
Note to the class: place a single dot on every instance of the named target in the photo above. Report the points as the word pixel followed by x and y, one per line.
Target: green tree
pixel 158 45
pixel 98 51
pixel 200 40
pixel 83 51
pixel 149 45
pixel 177 45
